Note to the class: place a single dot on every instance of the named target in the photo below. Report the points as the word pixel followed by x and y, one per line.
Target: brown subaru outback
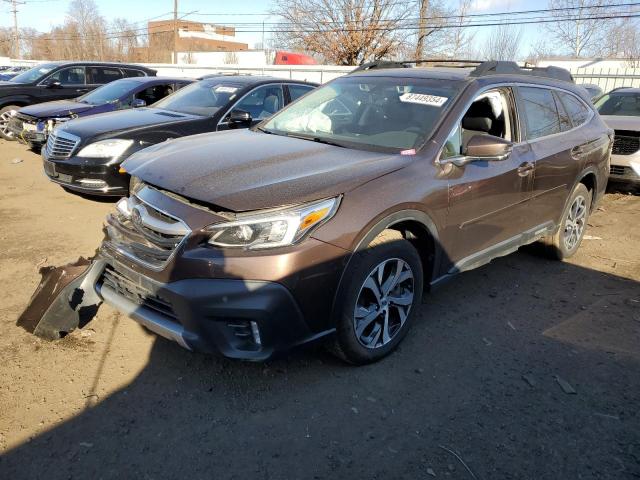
pixel 331 218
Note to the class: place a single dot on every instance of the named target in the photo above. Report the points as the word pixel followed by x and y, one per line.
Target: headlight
pixel 273 229
pixel 105 148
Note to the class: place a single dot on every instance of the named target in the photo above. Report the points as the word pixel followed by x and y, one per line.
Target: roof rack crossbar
pixel 450 62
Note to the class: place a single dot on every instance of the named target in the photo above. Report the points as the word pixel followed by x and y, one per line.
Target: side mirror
pixel 51 83
pixel 487 147
pixel 138 102
pixel 239 117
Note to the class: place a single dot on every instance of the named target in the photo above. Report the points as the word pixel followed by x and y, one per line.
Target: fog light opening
pixel 93 183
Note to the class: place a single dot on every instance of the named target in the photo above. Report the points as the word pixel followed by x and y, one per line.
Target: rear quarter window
pixel 540 112
pixel 576 109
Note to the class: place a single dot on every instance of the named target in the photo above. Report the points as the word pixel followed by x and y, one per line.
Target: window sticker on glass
pixel 223 89
pixel 423 99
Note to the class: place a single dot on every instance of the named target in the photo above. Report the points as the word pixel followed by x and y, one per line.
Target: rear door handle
pixel 525 169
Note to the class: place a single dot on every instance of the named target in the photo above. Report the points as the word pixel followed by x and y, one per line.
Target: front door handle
pixel 525 169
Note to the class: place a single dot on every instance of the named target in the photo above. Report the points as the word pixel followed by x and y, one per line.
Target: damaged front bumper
pixel 242 319
pixel 65 299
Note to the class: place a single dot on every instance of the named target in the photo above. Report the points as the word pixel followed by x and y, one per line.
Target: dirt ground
pixel 474 392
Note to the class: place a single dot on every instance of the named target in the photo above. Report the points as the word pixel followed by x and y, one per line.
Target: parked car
pixel 58 81
pixel 85 154
pixel 32 124
pixel 330 218
pixel 9 73
pixel 620 109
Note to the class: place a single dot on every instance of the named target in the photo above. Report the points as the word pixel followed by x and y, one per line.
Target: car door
pixel 63 84
pixel 556 146
pixel 260 103
pixel 486 196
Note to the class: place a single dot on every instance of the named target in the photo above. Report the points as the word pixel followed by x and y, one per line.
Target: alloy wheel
pixel 575 222
pixel 4 124
pixel 383 303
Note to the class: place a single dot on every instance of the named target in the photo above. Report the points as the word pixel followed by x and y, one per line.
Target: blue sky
pixel 41 15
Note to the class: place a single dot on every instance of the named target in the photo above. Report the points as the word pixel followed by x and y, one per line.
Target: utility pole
pixel 175 31
pixel 16 31
pixel 422 28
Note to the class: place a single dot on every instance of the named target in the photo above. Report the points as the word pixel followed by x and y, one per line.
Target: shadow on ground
pixel 476 375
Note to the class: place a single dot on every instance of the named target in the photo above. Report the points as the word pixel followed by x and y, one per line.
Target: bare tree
pixel 6 42
pixel 345 32
pixel 459 39
pixel 538 51
pixel 503 43
pixel 576 31
pixel 623 41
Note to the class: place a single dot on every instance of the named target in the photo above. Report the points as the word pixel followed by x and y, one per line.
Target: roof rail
pixel 501 67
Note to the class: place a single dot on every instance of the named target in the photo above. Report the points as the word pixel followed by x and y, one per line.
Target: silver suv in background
pixel 620 109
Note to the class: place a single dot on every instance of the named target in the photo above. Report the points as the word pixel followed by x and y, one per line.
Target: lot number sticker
pixel 225 89
pixel 423 99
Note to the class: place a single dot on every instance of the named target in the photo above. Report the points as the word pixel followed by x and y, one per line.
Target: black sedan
pixel 58 81
pixel 85 154
pixel 32 124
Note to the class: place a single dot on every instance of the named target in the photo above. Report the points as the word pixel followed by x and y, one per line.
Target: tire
pixel 361 315
pixel 4 122
pixel 566 241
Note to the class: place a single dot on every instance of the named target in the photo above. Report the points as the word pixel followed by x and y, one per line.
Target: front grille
pixel 61 144
pixel 141 232
pixel 625 144
pixel 128 288
pixel 617 170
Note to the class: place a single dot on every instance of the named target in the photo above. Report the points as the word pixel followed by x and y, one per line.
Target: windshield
pixel 109 93
pixel 202 98
pixel 379 113
pixel 619 103
pixel 34 73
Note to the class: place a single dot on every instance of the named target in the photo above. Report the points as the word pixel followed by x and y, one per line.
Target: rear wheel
pixel 566 241
pixel 378 302
pixel 5 116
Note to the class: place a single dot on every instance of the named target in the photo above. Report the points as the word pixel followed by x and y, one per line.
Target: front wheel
pixel 5 117
pixel 378 301
pixel 565 242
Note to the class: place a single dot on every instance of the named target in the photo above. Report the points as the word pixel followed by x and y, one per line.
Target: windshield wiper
pixel 316 139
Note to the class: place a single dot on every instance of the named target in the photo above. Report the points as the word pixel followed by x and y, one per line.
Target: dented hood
pixel 243 170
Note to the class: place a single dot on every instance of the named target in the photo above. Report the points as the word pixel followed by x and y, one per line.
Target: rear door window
pixel 132 72
pixel 101 75
pixel 565 121
pixel 539 111
pixel 576 109
pixel 296 91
